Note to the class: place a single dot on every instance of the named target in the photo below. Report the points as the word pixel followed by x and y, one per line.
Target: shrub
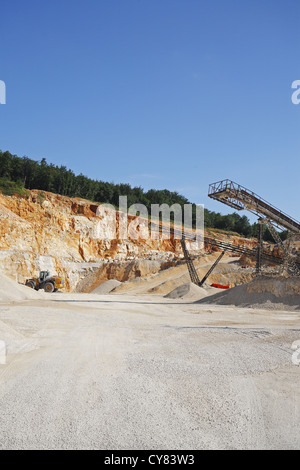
pixel 10 188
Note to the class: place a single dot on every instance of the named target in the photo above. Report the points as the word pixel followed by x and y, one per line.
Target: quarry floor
pixel 119 371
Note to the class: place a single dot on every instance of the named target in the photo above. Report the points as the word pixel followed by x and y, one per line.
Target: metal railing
pixel 239 197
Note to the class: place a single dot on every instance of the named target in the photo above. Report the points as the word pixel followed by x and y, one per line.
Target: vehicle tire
pixel 30 284
pixel 49 287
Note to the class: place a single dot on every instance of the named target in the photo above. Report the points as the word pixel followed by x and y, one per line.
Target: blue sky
pixel 172 94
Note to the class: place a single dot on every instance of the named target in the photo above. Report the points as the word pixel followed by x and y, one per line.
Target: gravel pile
pixel 11 291
pixel 187 291
pixel 107 286
pixel 268 293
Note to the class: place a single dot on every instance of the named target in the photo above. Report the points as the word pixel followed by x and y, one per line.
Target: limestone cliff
pixel 66 236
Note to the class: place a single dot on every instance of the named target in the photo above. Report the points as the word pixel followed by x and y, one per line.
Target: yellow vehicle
pixel 45 281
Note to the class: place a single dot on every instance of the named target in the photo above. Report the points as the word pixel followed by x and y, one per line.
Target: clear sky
pixel 172 94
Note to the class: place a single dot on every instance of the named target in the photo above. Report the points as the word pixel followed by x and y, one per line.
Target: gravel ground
pixel 123 372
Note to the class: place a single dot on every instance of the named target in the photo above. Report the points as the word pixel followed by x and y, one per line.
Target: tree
pixel 31 174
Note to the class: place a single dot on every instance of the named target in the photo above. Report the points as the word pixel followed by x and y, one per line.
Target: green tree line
pixel 20 173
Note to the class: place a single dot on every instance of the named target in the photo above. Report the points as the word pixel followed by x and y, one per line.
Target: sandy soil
pixel 119 371
pixel 163 282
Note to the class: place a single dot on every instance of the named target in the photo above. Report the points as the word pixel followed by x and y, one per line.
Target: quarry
pixel 140 349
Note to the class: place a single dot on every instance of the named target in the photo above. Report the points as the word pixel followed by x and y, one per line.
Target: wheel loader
pixel 45 281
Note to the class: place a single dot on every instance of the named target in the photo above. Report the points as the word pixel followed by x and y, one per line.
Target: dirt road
pixel 122 372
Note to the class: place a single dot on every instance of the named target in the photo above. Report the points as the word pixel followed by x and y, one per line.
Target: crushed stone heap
pixel 263 292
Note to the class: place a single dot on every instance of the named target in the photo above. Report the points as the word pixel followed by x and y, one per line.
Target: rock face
pixel 68 237
pixel 123 271
pixel 75 239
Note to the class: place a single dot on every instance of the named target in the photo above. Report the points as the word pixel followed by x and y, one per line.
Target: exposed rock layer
pixel 68 237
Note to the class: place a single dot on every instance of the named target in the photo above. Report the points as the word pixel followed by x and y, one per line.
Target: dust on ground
pixel 129 370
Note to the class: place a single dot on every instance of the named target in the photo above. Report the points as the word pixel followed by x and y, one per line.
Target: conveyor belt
pixel 240 198
pixel 213 242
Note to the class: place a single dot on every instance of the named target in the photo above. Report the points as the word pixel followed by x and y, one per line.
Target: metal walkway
pixel 240 198
pixel 213 242
pixel 190 236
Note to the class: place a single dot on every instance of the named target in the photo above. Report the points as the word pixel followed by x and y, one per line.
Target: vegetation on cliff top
pixel 18 174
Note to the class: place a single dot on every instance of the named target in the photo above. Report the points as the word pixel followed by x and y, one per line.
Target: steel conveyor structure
pixel 189 236
pixel 240 198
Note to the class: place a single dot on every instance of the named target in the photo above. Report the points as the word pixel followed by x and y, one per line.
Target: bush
pixel 10 188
